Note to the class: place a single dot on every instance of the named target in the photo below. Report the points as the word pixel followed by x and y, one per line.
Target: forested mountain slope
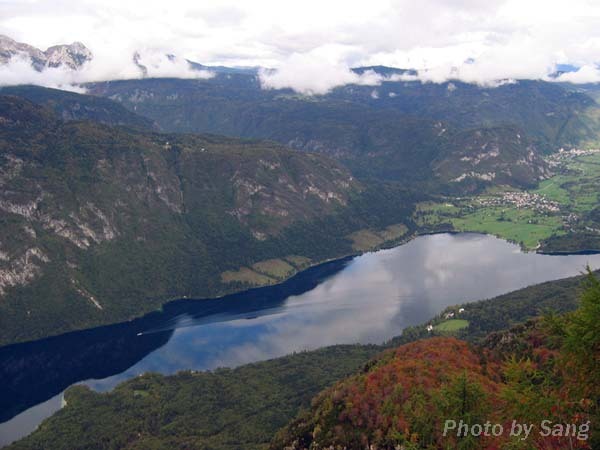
pixel 447 137
pixel 72 106
pixel 102 223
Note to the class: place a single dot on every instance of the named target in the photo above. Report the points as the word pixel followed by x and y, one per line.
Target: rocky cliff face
pixel 98 223
pixel 499 155
pixel 459 139
pixel 71 56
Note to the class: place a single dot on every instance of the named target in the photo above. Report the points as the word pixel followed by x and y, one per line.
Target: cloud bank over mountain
pixel 312 44
pixel 315 74
pixel 24 64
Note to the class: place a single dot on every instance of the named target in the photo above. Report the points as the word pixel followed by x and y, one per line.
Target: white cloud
pixel 585 74
pixel 159 65
pixel 313 43
pixel 314 74
pixel 20 71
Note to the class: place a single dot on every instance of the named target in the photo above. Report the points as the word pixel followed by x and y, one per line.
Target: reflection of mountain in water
pixel 34 372
pixel 373 299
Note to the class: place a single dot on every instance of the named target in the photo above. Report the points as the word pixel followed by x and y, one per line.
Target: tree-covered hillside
pixel 72 106
pixel 110 222
pixel 543 374
pixel 449 137
pixel 101 224
pixel 224 409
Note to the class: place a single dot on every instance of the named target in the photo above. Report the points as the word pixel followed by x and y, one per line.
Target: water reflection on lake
pixel 368 299
pixel 372 299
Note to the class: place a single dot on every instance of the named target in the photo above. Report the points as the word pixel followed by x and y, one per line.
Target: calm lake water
pixel 367 299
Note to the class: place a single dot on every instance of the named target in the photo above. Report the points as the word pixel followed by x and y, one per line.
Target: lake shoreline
pixel 349 256
pixel 368 299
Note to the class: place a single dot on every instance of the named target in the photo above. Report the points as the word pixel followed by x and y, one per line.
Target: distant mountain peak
pixel 384 70
pixel 72 56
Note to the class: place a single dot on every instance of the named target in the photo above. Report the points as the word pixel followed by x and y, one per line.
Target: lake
pixel 366 299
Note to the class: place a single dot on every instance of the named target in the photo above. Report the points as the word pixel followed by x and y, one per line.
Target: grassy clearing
pixel 577 187
pixel 523 226
pixel 267 272
pixel 430 214
pixel 299 262
pixel 393 232
pixel 364 240
pixel 452 325
pixel 274 268
pixel 553 190
pixel 245 275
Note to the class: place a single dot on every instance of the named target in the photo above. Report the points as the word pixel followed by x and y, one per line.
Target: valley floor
pixel 561 215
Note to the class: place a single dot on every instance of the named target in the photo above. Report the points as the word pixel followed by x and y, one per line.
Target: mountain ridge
pixel 70 106
pixel 72 56
pixel 108 223
pixel 376 139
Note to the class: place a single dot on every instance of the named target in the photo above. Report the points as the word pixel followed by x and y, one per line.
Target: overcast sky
pixel 313 42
